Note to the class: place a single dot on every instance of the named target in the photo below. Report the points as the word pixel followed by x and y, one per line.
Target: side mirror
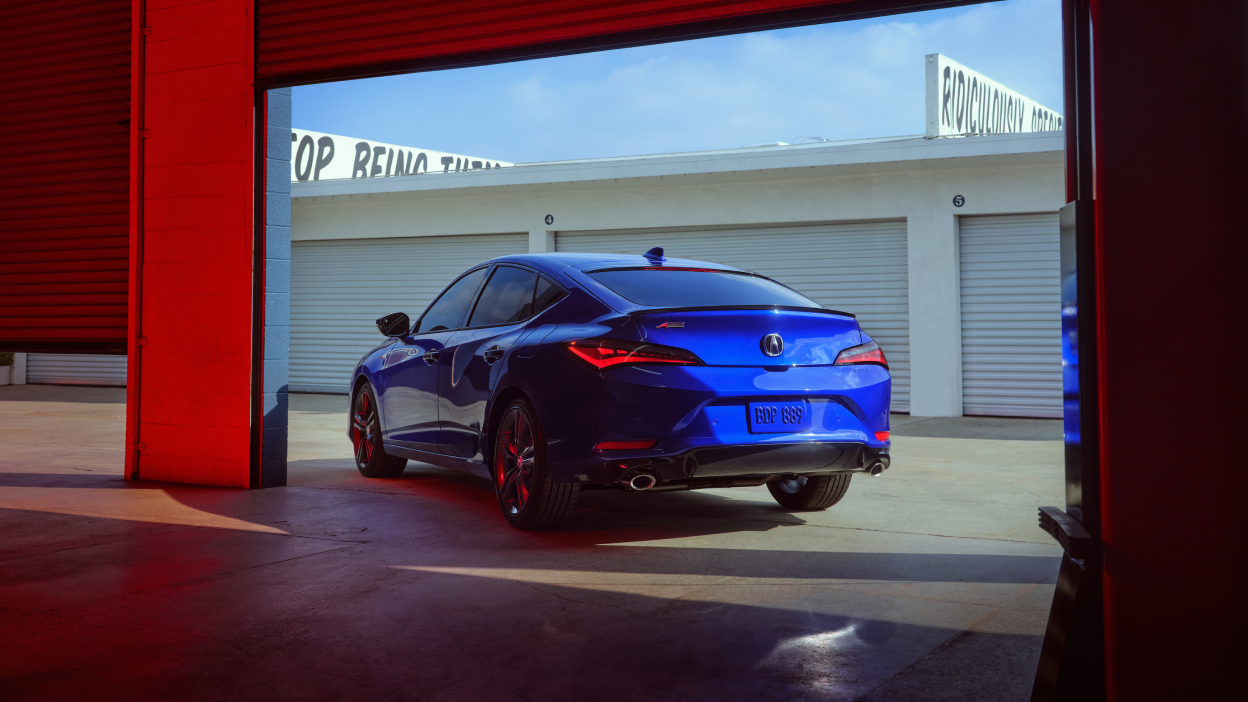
pixel 394 324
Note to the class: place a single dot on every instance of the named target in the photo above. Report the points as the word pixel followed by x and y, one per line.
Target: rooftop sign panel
pixel 962 102
pixel 320 156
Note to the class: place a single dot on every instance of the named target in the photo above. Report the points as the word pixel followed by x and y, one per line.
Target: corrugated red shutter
pixel 308 40
pixel 64 175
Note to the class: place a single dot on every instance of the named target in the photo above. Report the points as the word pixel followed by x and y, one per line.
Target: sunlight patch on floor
pixel 150 506
pixel 876 600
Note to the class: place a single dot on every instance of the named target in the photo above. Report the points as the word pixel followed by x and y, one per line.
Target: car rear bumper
pixel 711 464
pixel 699 418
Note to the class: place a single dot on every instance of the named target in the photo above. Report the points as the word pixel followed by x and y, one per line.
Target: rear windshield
pixel 674 287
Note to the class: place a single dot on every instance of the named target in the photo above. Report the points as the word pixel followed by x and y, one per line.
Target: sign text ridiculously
pixel 962 101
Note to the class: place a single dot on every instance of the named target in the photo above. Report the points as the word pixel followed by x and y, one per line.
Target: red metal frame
pixel 301 41
pixel 1170 235
pixel 258 263
pixel 134 340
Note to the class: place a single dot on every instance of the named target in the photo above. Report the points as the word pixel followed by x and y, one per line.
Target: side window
pixel 508 297
pixel 547 294
pixel 448 311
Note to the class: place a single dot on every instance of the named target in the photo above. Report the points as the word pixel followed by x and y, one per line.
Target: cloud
pixel 839 81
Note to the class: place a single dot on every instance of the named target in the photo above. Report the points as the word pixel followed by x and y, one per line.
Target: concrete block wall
pixel 276 291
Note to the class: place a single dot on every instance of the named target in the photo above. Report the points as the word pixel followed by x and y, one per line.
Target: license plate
pixel 779 417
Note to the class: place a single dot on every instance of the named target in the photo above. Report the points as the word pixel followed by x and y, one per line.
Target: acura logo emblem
pixel 772 345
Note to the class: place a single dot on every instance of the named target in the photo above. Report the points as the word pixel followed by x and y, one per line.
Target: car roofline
pixel 581 261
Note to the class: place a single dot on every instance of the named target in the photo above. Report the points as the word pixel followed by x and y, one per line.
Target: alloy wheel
pixel 514 457
pixel 363 428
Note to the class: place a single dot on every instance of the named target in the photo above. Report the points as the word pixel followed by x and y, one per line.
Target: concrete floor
pixel 930 583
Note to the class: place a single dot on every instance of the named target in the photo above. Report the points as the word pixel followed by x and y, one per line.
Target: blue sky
pixel 846 80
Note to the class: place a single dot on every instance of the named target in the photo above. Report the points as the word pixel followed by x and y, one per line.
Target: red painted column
pixel 192 376
pixel 1171 126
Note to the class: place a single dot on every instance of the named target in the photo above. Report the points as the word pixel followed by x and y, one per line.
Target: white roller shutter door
pixel 1011 315
pixel 75 369
pixel 339 288
pixel 859 268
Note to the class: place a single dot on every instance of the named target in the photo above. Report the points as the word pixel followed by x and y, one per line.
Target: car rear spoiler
pixel 819 310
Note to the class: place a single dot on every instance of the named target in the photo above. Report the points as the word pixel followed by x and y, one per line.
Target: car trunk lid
pixel 736 337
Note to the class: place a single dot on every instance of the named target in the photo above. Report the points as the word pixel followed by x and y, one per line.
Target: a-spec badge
pixel 671 325
pixel 772 345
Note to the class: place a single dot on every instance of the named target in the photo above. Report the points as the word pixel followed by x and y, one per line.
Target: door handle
pixel 431 357
pixel 492 354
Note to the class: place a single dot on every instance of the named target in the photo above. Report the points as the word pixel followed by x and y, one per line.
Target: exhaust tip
pixel 876 469
pixel 642 481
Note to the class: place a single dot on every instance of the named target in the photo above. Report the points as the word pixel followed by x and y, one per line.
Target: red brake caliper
pixel 365 419
pixel 500 461
pixel 359 432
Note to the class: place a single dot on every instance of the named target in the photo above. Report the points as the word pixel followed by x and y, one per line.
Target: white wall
pixel 19 369
pixel 918 185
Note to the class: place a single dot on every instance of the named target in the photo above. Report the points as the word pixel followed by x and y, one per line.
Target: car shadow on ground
pixel 664 515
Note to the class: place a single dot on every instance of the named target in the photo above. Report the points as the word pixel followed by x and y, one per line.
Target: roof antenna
pixel 655 254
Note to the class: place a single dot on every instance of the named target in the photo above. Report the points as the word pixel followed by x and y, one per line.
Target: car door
pixel 497 320
pixel 410 373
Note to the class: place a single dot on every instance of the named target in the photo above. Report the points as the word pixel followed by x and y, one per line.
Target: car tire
pixel 809 492
pixel 528 495
pixel 370 456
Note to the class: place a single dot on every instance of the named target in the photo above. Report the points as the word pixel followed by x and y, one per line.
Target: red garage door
pixel 64 175
pixel 303 41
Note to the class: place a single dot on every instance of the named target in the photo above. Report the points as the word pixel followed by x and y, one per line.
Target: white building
pixel 963 297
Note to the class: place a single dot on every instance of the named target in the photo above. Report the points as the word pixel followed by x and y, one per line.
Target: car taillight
pixel 881 436
pixel 608 353
pixel 867 354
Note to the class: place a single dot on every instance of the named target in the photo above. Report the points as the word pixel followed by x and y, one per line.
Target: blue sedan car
pixel 554 373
